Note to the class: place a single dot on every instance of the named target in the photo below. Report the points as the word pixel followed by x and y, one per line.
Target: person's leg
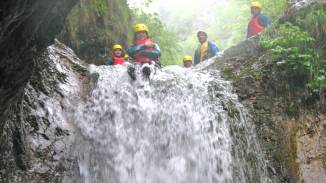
pixel 146 71
pixel 131 72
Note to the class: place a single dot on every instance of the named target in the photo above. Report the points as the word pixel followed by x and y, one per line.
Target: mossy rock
pixel 93 26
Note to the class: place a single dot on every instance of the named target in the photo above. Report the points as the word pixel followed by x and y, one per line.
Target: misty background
pixel 225 21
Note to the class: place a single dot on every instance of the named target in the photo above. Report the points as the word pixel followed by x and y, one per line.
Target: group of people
pixel 144 50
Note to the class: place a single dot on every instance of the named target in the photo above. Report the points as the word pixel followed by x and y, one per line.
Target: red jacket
pixel 118 60
pixel 143 54
pixel 254 27
pixel 115 60
pixel 140 58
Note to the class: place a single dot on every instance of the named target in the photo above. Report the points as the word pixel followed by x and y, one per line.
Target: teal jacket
pixel 109 62
pixel 142 53
pixel 264 20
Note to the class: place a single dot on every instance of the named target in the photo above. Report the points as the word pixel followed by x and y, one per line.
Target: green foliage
pixel 274 8
pixel 292 47
pixel 167 40
pixel 294 53
pixel 318 81
pixel 225 21
pixel 313 19
pixel 93 26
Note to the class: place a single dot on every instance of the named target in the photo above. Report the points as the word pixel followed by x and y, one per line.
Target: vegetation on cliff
pixel 93 26
pixel 296 52
pixel 224 21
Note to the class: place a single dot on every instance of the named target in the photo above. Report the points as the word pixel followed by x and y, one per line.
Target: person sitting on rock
pixel 126 57
pixel 187 61
pixel 206 49
pixel 258 21
pixel 143 50
pixel 117 57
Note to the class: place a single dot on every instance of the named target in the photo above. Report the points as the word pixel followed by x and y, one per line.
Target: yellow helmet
pixel 187 58
pixel 140 27
pixel 126 56
pixel 116 46
pixel 256 4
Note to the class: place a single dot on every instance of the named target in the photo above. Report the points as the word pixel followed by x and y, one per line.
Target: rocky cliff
pixel 290 120
pixel 38 130
pixel 40 85
pixel 39 82
pixel 93 26
pixel 27 28
pixel 292 135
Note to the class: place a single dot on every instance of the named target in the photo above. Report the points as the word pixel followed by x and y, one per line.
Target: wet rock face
pixel 239 64
pixel 37 133
pixel 290 127
pixel 27 27
pixel 311 148
pixel 298 4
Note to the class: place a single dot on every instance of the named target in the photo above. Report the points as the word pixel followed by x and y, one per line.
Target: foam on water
pixel 174 128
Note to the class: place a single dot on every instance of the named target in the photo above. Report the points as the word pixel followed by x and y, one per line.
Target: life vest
pixel 140 58
pixel 254 26
pixel 118 60
pixel 204 51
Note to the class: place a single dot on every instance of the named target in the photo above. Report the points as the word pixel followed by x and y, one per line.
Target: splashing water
pixel 181 126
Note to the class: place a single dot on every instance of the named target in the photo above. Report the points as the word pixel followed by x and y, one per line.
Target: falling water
pixel 181 126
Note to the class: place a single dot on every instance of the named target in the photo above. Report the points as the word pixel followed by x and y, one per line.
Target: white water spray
pixel 181 126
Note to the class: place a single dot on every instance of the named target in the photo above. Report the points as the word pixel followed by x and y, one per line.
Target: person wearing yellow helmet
pixel 143 50
pixel 258 21
pixel 126 57
pixel 187 61
pixel 117 57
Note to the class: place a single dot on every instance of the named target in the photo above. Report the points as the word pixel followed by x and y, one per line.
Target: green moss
pixel 232 110
pixel 313 20
pixel 93 26
pixel 295 57
pixel 250 69
pixel 81 70
pixel 229 74
pixel 293 110
pixel 292 160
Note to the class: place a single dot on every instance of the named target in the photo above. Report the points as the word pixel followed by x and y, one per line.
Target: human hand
pixel 149 43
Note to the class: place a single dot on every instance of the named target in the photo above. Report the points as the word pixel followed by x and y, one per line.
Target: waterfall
pixel 181 126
